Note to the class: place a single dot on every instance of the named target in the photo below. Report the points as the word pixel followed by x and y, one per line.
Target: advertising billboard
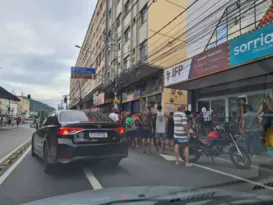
pixel 178 73
pixel 254 45
pixel 210 61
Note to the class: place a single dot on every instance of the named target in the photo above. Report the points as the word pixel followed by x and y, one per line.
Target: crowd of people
pixel 147 128
pixel 175 129
pixel 10 121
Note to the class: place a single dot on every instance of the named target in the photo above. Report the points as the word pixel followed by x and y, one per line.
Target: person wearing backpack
pixel 147 130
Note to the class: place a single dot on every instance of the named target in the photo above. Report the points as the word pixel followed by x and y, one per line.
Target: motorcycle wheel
pixel 236 158
pixel 194 155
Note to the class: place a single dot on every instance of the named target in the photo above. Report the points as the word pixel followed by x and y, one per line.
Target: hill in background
pixel 36 106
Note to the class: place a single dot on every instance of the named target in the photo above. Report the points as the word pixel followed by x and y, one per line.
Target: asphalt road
pixel 27 182
pixel 11 138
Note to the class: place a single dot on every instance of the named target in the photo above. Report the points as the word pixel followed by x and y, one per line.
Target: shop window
pixel 256 101
pixel 218 107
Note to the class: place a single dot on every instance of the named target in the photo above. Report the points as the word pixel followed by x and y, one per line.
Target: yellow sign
pixel 116 101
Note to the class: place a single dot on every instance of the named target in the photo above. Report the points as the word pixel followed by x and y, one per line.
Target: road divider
pixel 7 161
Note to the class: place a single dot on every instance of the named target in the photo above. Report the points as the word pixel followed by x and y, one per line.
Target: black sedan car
pixel 72 135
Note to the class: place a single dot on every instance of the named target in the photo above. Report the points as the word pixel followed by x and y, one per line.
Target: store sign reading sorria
pixel 254 45
pixel 210 61
pixel 177 73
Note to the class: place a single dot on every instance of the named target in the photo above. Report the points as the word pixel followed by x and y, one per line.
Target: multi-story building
pixel 23 106
pixel 229 45
pixel 91 55
pixel 135 62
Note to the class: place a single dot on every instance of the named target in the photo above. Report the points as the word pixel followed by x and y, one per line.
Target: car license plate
pixel 98 134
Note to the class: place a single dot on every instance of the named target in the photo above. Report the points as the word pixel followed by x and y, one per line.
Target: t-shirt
pixel 114 117
pixel 160 122
pixel 252 121
pixel 180 119
pixel 129 123
pixel 206 114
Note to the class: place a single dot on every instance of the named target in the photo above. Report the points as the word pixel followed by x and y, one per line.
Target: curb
pixel 13 156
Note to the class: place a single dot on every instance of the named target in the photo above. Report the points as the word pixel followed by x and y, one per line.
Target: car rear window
pixel 73 116
pixel 99 117
pixel 76 116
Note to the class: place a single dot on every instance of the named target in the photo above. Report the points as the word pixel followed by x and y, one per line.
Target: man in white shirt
pixel 181 134
pixel 114 116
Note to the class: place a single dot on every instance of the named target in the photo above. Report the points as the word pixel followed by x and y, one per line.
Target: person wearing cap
pixel 147 130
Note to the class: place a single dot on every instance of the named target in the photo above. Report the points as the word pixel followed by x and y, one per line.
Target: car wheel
pixel 33 154
pixel 48 168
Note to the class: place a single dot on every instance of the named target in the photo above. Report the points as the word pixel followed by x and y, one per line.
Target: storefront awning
pixel 258 68
pixel 4 94
pixel 136 74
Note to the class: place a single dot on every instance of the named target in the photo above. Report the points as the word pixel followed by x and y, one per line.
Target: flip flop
pixel 178 163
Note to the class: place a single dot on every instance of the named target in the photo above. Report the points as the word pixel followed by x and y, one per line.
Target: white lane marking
pixel 234 176
pixel 253 166
pixel 169 157
pixel 92 179
pixel 13 151
pixel 8 172
pixel 172 158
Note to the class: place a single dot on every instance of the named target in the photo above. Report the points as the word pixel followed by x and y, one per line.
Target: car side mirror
pixel 34 125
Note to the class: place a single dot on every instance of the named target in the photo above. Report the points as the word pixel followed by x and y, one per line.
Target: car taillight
pixel 69 130
pixel 120 130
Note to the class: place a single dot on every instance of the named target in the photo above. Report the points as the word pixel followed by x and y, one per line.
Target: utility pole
pixel 80 102
pixel 106 40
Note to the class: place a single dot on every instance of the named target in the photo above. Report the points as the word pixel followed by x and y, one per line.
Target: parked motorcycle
pixel 214 145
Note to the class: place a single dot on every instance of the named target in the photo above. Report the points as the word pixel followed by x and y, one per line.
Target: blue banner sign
pixel 83 73
pixel 254 45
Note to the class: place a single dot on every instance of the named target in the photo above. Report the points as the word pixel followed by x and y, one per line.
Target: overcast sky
pixel 37 39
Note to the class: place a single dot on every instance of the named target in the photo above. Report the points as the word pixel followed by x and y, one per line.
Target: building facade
pixel 231 56
pixel 135 62
pixel 91 55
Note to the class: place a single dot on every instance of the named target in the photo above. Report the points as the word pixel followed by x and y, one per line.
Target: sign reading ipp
pixel 177 73
pixel 251 46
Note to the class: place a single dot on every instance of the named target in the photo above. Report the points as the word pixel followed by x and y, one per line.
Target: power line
pixel 162 28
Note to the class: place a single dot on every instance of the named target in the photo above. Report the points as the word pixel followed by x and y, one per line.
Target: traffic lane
pixel 151 170
pixel 10 139
pixel 28 182
pixel 224 164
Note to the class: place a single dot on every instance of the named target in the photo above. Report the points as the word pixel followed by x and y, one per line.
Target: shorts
pixel 160 135
pixel 130 133
pixel 184 142
pixel 170 135
pixel 146 134
pixel 138 132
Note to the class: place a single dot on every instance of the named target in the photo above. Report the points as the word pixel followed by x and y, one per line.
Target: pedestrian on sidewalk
pixel 181 135
pixel 147 120
pixel 130 129
pixel 160 129
pixel 18 121
pixel 170 131
pixel 250 129
pixel 138 125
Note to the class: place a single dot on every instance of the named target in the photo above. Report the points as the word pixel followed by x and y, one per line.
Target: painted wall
pixel 167 48
pixel 159 14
